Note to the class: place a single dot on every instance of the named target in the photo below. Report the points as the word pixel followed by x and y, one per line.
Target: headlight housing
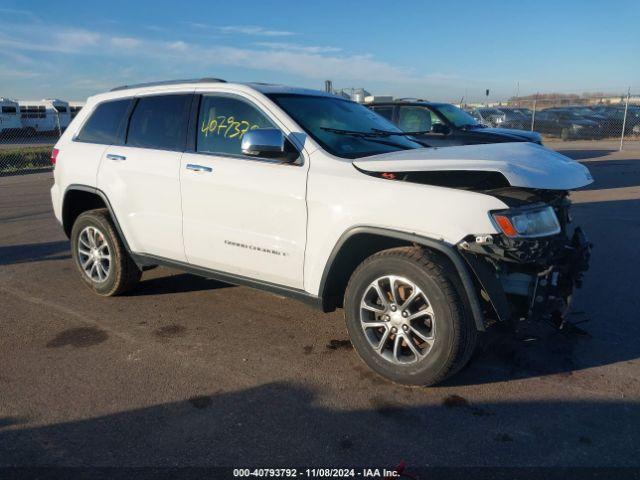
pixel 527 223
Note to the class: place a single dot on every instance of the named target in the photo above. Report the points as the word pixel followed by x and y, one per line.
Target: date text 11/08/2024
pixel 381 473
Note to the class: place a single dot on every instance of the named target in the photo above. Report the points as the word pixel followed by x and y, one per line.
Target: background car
pixel 447 124
pixel 491 117
pixel 515 117
pixel 614 118
pixel 608 125
pixel 566 124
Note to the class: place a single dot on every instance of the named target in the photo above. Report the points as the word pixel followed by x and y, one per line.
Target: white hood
pixel 523 164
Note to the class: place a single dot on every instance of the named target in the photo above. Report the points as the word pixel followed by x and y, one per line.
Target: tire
pixel 112 277
pixel 451 328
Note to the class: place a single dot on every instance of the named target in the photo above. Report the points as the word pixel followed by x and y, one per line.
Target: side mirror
pixel 268 143
pixel 440 128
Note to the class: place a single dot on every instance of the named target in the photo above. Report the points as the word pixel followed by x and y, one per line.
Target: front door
pixel 242 215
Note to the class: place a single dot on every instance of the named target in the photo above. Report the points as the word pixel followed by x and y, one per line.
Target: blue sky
pixel 439 50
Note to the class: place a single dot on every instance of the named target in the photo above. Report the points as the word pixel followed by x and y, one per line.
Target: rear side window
pixel 160 122
pixel 105 122
pixel 386 112
pixel 223 121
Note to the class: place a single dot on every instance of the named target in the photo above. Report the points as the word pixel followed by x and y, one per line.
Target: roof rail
pixel 169 82
pixel 409 99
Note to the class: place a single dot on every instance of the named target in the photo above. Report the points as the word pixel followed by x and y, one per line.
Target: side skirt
pixel 143 260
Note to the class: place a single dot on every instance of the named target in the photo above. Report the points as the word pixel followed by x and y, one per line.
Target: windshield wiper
pixel 388 133
pixel 375 132
pixel 373 136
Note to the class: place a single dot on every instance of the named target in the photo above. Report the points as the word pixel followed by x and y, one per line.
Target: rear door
pixel 140 176
pixel 103 127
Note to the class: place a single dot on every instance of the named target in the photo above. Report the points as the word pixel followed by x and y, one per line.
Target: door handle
pixel 118 158
pixel 198 168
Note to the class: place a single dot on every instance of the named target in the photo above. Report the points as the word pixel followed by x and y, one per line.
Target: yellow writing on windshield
pixel 227 127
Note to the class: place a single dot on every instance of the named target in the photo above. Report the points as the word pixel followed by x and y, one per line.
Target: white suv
pixel 309 195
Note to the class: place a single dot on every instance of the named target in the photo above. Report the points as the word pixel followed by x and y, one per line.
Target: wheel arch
pixel 361 242
pixel 80 198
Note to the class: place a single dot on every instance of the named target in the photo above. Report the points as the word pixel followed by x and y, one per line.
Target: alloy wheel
pixel 94 254
pixel 397 319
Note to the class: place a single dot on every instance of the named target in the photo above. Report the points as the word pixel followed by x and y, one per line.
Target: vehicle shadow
pixel 178 283
pixel 34 252
pixel 282 424
pixel 584 153
pixel 614 174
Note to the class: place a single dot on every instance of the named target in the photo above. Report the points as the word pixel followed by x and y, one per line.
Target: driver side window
pixel 417 119
pixel 223 121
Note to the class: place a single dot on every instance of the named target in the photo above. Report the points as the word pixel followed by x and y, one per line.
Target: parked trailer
pixel 47 115
pixel 74 108
pixel 9 116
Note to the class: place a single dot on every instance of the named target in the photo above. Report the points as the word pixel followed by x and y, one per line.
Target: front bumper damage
pixel 528 279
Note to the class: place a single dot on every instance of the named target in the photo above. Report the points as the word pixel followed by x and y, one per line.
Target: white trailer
pixel 74 108
pixel 9 116
pixel 47 115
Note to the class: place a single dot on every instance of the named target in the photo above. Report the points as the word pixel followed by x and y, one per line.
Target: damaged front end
pixel 529 274
pixel 529 269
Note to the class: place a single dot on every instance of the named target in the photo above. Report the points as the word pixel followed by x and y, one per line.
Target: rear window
pixel 160 122
pixel 104 123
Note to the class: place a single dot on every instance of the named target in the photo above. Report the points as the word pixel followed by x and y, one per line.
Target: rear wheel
pixel 99 254
pixel 406 318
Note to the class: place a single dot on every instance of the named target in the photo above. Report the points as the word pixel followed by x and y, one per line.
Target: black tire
pixel 123 274
pixel 456 334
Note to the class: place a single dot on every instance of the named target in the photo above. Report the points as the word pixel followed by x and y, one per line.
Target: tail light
pixel 54 156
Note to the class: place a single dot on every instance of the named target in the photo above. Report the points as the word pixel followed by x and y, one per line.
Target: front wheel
pixel 406 318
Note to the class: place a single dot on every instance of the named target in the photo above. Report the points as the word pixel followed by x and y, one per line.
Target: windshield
pixel 326 119
pixel 456 116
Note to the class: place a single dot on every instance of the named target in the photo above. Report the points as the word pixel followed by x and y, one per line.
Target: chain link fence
pixel 27 136
pixel 25 153
pixel 571 117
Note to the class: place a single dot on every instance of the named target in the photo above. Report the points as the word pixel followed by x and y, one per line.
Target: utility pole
pixel 533 116
pixel 624 119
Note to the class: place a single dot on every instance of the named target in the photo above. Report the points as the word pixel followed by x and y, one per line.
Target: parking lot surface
pixel 189 371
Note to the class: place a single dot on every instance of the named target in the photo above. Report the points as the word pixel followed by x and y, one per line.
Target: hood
pixel 512 133
pixel 523 164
